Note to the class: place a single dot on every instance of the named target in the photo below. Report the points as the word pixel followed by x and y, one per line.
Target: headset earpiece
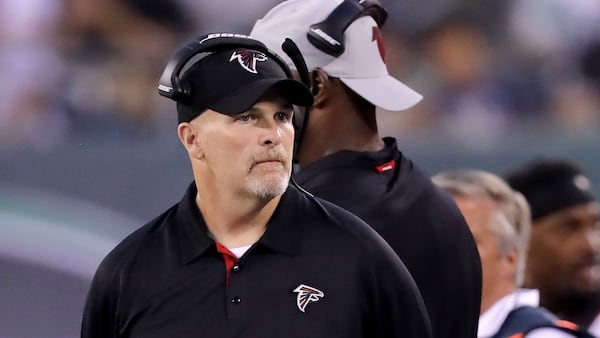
pixel 181 90
pixel 328 35
pixel 374 9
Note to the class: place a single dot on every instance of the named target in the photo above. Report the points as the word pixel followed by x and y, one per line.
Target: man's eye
pixel 243 118
pixel 283 116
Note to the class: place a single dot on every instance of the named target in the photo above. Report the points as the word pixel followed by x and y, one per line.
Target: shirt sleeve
pixel 99 315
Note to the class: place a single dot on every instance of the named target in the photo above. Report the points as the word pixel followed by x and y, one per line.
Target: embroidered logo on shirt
pixel 307 294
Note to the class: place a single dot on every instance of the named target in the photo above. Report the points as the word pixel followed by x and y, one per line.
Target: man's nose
pixel 271 135
pixel 591 241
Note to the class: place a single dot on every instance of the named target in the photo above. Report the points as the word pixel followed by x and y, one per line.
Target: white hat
pixel 361 67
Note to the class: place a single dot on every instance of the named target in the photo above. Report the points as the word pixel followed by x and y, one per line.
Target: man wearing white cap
pixel 343 159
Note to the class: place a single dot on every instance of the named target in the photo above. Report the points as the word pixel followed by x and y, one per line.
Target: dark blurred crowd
pixel 90 67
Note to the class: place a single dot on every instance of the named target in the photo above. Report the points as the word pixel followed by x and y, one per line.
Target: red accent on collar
pixel 386 166
pixel 229 257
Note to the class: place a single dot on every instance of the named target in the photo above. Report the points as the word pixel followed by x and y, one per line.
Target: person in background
pixel 500 220
pixel 563 261
pixel 344 160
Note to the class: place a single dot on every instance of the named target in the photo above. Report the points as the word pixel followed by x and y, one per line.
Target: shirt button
pixel 236 300
pixel 236 268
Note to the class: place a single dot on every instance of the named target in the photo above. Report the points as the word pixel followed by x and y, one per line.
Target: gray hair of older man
pixel 511 223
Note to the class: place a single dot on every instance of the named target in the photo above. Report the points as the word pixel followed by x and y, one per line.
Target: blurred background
pixel 88 149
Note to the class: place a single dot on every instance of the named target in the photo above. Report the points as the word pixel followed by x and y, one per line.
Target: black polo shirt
pixel 419 221
pixel 318 271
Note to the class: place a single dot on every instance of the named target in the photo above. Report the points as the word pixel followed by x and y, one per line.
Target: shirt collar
pixel 190 228
pixel 492 319
pixel 351 159
pixel 282 232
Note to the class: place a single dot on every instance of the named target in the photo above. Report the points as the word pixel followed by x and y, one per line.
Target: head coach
pixel 246 252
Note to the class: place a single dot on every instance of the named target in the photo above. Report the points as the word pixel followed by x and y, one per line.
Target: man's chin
pixel 586 280
pixel 268 186
pixel 578 298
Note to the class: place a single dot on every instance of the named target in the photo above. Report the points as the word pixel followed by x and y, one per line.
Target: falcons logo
pixel 307 294
pixel 248 58
pixel 376 36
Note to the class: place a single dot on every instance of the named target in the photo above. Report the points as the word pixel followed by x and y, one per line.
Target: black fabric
pixel 526 319
pixel 168 280
pixel 420 222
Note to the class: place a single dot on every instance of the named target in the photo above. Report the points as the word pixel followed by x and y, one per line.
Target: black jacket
pixel 420 222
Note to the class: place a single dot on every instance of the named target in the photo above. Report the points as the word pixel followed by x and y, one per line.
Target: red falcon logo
pixel 248 58
pixel 307 294
pixel 376 36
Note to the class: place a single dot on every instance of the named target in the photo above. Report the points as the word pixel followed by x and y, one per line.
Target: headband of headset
pixel 328 35
pixel 171 84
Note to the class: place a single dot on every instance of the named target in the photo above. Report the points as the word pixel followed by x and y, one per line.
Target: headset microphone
pixel 292 50
pixel 300 120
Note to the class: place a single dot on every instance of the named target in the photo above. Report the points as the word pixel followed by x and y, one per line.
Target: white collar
pixel 240 251
pixel 492 319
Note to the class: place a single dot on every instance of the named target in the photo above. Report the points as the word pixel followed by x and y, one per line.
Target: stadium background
pixel 88 149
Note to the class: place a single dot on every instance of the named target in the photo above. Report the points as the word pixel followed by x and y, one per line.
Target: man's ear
pixel 510 262
pixel 188 135
pixel 320 86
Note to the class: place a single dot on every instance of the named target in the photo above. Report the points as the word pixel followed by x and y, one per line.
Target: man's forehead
pixel 588 212
pixel 476 201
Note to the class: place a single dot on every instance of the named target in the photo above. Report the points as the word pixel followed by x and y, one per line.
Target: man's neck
pixel 501 290
pixel 336 129
pixel 579 308
pixel 235 222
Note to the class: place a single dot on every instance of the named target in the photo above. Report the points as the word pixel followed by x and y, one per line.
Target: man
pixel 246 254
pixel 500 221
pixel 344 160
pixel 563 261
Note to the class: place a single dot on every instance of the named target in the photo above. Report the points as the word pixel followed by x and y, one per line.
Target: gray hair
pixel 511 223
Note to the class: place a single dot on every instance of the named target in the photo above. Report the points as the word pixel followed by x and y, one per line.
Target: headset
pixel 328 35
pixel 172 85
